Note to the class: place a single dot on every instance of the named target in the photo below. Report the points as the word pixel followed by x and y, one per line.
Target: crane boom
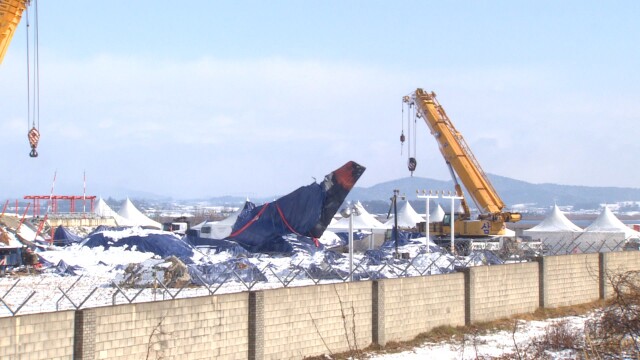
pixel 457 154
pixel 462 162
pixel 10 14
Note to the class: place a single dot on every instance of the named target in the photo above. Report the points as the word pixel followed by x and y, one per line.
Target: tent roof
pixel 556 221
pixel 407 217
pixel 364 221
pixel 103 209
pixel 436 214
pixel 608 222
pixel 135 217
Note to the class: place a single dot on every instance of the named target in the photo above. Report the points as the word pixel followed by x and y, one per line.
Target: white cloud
pixel 276 122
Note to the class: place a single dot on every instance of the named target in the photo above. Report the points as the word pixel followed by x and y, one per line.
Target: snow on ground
pixel 495 344
pixel 82 276
pixel 97 270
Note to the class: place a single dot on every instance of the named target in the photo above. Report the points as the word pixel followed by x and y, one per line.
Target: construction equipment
pixel 492 215
pixel 10 14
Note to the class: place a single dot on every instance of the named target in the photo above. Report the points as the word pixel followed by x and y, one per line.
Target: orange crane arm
pixel 10 14
pixel 457 154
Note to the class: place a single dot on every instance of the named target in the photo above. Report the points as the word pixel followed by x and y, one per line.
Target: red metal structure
pixel 53 205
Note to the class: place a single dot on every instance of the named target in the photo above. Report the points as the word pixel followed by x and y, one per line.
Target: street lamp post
pixel 453 199
pixel 428 198
pixel 350 212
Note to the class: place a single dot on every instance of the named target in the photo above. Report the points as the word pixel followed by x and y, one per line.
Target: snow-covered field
pixel 81 276
pixel 505 344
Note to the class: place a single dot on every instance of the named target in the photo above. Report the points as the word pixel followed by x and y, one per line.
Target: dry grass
pixel 612 333
pixel 558 336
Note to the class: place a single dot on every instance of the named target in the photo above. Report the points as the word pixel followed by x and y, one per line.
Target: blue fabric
pixel 265 226
pixel 64 237
pixel 404 238
pixel 357 236
pixel 163 245
pixel 218 245
pixel 306 211
pixel 232 269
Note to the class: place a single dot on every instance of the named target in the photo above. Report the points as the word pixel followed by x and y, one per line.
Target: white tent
pixel 407 217
pixel 134 217
pixel 437 214
pixel 219 229
pixel 102 209
pixel 556 232
pixel 363 222
pixel 608 222
pixel 606 233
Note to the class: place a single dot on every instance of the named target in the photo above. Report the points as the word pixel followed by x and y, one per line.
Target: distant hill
pixel 513 192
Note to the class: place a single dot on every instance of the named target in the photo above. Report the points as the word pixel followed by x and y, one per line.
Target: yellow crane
pixel 460 160
pixel 10 15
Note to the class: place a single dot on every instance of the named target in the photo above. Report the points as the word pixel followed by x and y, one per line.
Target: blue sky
pixel 258 98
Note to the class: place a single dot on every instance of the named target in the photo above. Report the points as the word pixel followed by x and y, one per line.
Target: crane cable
pixel 33 117
pixel 411 161
pixel 402 137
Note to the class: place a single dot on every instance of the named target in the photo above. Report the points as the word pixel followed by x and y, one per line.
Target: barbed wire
pixel 52 292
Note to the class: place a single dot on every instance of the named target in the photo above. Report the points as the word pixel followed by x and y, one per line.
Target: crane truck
pixel 460 160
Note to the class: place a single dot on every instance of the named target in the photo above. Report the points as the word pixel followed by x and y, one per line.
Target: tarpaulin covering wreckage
pixel 160 243
pixel 64 237
pixel 306 211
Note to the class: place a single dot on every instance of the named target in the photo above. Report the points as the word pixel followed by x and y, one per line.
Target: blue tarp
pixel 306 211
pixel 65 269
pixel 404 238
pixel 219 246
pixel 64 237
pixel 357 236
pixel 163 245
pixel 232 269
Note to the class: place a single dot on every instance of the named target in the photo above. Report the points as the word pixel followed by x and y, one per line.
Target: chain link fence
pixel 35 292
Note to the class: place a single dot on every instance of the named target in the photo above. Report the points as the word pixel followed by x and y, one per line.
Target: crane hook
pixel 34 137
pixel 412 164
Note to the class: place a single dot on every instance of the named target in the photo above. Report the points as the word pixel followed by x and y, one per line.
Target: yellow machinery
pixel 460 160
pixel 10 14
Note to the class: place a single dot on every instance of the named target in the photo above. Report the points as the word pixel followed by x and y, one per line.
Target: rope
pixel 284 220
pixel 254 219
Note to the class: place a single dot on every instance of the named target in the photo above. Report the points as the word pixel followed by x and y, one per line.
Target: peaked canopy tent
pixel 217 230
pixel 606 233
pixel 557 233
pixel 363 222
pixel 408 218
pixel 134 217
pixel 103 210
pixel 437 214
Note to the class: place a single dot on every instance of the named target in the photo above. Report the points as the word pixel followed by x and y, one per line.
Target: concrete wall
pixel 37 336
pixel 570 280
pixel 314 320
pixel 615 263
pixel 211 327
pixel 500 291
pixel 418 304
pixel 293 323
